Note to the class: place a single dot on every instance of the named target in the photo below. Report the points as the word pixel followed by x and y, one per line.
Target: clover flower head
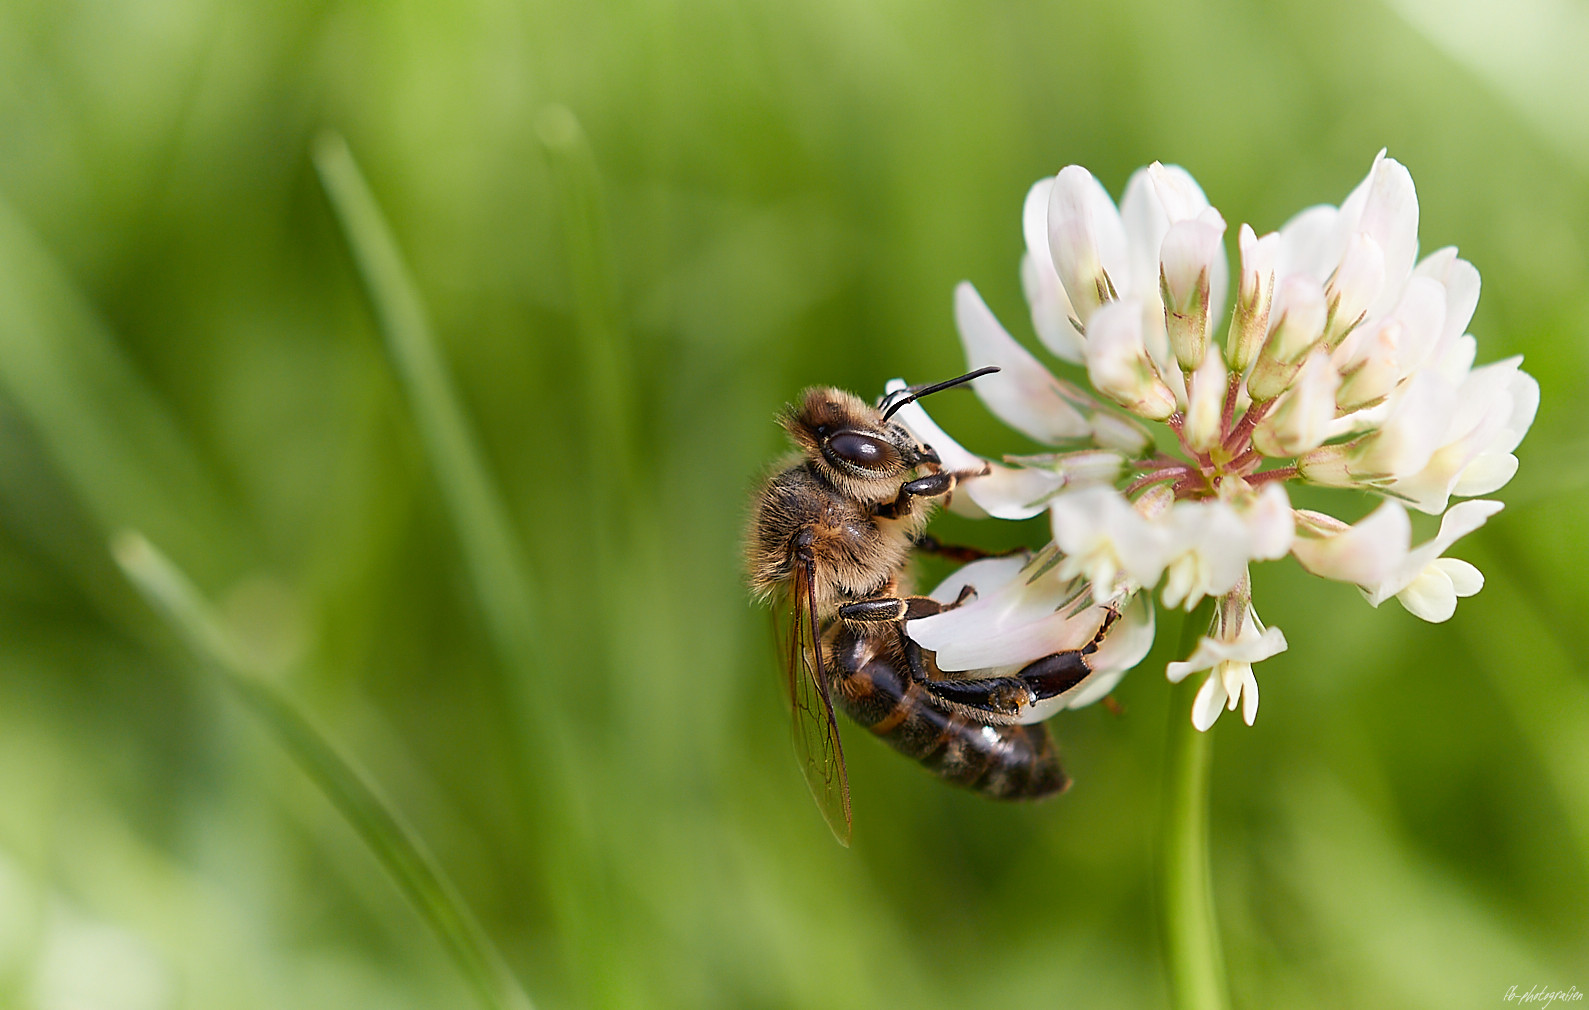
pixel 1343 362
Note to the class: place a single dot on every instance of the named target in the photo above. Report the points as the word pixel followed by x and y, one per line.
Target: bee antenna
pixel 917 392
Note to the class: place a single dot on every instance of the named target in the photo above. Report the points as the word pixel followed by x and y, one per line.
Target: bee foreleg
pixel 930 486
pixel 934 485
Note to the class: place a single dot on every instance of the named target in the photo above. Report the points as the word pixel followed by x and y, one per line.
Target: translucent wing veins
pixel 816 732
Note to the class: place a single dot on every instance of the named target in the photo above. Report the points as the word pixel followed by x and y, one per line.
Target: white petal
pixel 1249 697
pixel 1357 283
pixel 1416 427
pixel 1010 645
pixel 1142 213
pixel 1465 578
pixel 1206 402
pixel 1365 553
pixel 1034 223
pixel 1256 646
pixel 1486 399
pixel 1489 471
pixel 1118 363
pixel 1519 398
pixel 1421 315
pixel 1429 490
pixel 1096 526
pixel 1013 623
pixel 1461 519
pixel 1525 404
pixel 1461 282
pixel 1210 702
pixel 1179 194
pixel 998 607
pixel 1430 596
pixel 1357 199
pixel 1188 254
pixel 1022 393
pixel 1112 431
pixel 1390 217
pixel 1208 550
pixel 987 575
pixel 1298 317
pixel 1309 246
pixel 1456 359
pixel 1251 646
pixel 1051 309
pixel 1270 525
pixel 1086 240
pixel 1010 492
pixel 1494 407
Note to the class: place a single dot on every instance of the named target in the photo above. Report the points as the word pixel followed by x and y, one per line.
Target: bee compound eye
pixel 861 450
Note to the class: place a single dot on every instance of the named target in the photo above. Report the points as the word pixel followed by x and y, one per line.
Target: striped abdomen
pixel 1010 762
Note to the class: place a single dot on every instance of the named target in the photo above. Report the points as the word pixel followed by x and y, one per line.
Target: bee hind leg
pixel 1003 699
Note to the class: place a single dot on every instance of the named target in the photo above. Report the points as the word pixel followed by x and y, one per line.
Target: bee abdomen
pixel 1004 762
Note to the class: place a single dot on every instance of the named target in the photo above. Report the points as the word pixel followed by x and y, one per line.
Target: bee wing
pixel 816 732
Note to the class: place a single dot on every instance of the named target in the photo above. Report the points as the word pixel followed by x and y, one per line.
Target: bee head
pixel 851 444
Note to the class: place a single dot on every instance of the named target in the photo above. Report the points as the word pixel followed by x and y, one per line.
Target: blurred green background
pixel 638 229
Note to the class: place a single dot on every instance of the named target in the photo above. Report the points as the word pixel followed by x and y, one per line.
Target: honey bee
pixel 829 540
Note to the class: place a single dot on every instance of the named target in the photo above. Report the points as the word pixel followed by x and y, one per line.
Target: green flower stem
pixel 394 844
pixel 1192 952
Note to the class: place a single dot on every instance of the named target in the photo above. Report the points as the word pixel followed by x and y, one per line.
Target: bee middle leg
pixel 934 485
pixel 889 609
pixel 929 544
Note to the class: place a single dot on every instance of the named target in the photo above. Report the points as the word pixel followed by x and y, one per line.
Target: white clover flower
pixel 1228 655
pixel 1345 363
pixel 1428 584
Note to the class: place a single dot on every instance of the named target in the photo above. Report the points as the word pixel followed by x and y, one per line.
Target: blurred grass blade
pixel 398 849
pixel 479 516
pixel 110 435
pixel 609 387
pixel 495 561
pixel 492 552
